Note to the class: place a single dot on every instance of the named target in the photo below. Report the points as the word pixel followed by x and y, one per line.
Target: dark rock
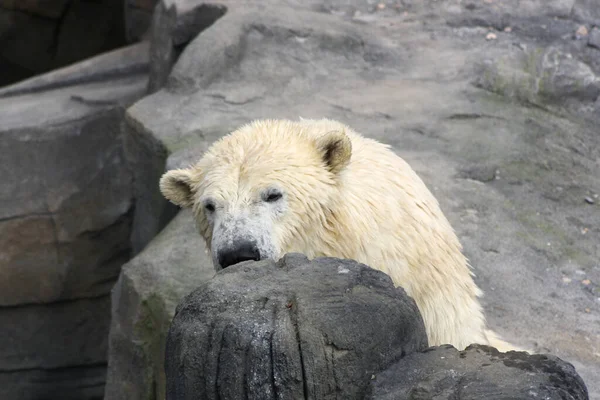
pixel 66 200
pixel 37 36
pixel 25 45
pixel 175 23
pixel 36 268
pixel 88 28
pixel 482 173
pixel 543 22
pixel 292 329
pixel 81 382
pixel 146 157
pixel 126 61
pixel 67 334
pixel 143 304
pixel 478 372
pixel 138 18
pixel 66 210
pixel 49 9
pixel 594 38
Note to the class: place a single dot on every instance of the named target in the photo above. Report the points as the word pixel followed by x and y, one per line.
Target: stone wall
pixel 67 208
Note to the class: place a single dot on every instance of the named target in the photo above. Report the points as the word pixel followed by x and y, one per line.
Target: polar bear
pixel 317 187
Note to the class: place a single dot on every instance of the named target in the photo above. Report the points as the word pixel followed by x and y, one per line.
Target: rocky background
pixel 288 330
pixel 495 103
pixel 37 36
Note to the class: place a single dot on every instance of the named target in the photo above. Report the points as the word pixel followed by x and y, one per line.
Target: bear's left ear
pixel 176 186
pixel 336 149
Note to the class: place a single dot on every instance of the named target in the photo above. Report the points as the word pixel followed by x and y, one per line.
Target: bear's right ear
pixel 176 186
pixel 336 149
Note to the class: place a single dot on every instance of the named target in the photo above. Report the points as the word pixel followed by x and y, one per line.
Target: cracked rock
pixel 478 372
pixel 292 329
pixel 143 303
pixel 54 351
pixel 66 211
pixel 174 24
pixel 540 76
pixel 66 198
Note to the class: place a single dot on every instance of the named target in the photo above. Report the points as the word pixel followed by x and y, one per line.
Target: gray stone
pixel 174 24
pixel 146 158
pixel 562 76
pixel 542 20
pixel 66 199
pixel 25 43
pixel 69 383
pixel 37 268
pixel 88 28
pixel 48 9
pixel 291 329
pixel 37 36
pixel 68 334
pixel 594 38
pixel 586 11
pixel 138 18
pixel 125 61
pixel 143 303
pixel 478 372
pixel 66 211
pixel 542 76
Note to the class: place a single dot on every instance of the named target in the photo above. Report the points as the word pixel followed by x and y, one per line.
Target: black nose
pixel 242 251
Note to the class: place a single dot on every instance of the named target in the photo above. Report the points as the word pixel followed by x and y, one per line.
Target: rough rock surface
pixel 493 103
pixel 175 23
pixel 291 329
pixel 478 372
pixel 68 383
pixel 38 36
pixel 143 303
pixel 138 18
pixel 66 207
pixel 130 60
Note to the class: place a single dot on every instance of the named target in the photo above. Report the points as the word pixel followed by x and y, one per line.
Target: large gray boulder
pixel 66 201
pixel 66 211
pixel 175 24
pixel 126 61
pixel 291 329
pixel 478 372
pixel 143 304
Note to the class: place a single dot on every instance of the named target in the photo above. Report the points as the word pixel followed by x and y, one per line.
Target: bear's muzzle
pixel 241 251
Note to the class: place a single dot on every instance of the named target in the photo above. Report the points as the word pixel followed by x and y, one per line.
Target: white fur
pixel 373 209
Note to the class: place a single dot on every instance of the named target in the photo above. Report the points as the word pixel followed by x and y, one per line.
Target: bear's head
pixel 262 190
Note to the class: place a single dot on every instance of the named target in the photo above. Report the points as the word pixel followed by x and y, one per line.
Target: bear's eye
pixel 209 206
pixel 273 196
